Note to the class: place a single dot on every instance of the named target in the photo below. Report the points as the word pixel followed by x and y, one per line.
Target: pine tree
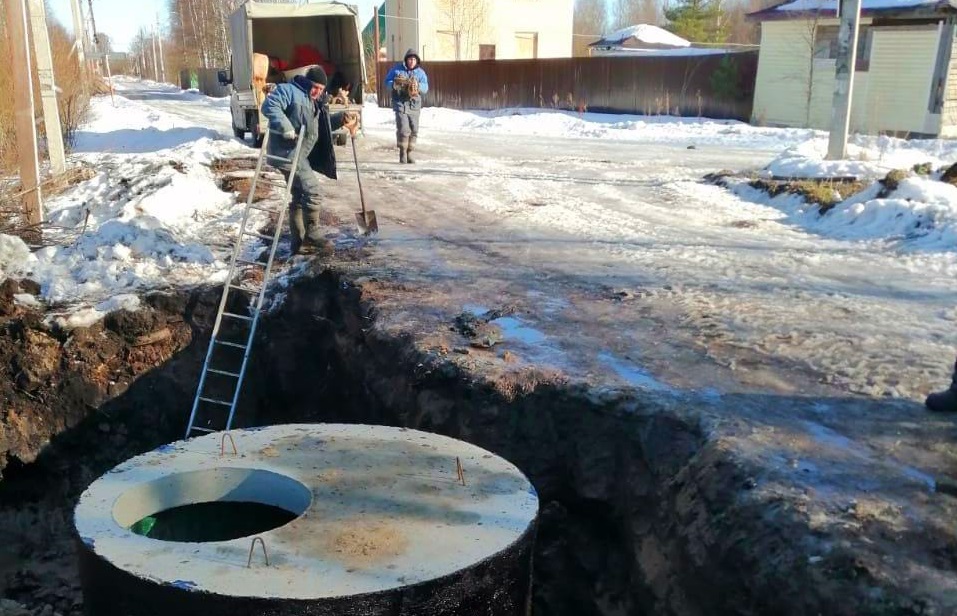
pixel 699 21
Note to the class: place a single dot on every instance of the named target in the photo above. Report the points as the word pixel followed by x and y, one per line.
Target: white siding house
pixel 905 79
pixel 444 30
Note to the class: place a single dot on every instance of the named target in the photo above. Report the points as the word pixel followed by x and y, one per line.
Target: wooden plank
pixel 16 13
pixel 51 113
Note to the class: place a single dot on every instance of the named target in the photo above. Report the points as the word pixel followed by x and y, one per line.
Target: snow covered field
pixel 864 297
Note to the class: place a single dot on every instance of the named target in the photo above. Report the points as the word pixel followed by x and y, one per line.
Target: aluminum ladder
pixel 202 418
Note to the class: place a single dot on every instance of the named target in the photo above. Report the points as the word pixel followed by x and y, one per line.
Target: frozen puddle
pixel 632 374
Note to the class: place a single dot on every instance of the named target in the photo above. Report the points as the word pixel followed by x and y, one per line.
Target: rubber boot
pixel 297 229
pixel 408 155
pixel 944 401
pixel 403 152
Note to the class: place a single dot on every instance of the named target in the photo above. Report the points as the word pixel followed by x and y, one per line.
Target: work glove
pixel 289 135
pixel 350 122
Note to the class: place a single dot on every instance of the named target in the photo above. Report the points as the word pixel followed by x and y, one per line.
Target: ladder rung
pixel 198 429
pixel 231 344
pixel 219 402
pixel 271 210
pixel 244 289
pixel 223 372
pixel 245 262
pixel 274 157
pixel 261 236
pixel 232 315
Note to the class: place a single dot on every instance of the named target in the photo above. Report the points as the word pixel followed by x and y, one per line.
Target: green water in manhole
pixel 215 521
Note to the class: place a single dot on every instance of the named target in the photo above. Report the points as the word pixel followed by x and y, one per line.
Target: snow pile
pixel 920 213
pixel 868 157
pixel 152 217
pixel 13 254
pixel 611 127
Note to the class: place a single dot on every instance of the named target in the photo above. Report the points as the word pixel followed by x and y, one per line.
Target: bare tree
pixel 466 21
pixel 589 24
pixel 627 13
pixel 809 35
pixel 740 29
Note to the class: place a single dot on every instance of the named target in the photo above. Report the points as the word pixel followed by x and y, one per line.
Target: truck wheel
pixel 258 139
pixel 341 139
pixel 239 133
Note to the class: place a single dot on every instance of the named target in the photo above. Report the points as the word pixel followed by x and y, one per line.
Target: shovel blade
pixel 367 222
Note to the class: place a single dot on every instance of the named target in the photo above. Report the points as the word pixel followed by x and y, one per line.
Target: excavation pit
pixel 352 520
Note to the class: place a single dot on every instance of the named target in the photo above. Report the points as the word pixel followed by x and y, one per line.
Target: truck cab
pixel 271 43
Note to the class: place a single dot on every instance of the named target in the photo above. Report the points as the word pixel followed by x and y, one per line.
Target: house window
pixel 526 45
pixel 825 45
pixel 486 52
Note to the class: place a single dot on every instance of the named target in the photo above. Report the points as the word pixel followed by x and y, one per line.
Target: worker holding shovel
pixel 408 83
pixel 304 104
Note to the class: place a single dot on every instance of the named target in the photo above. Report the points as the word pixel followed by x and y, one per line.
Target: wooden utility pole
pixel 79 32
pixel 375 54
pixel 96 38
pixel 51 112
pixel 16 13
pixel 850 14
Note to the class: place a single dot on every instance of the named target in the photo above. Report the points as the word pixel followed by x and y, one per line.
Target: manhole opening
pixel 215 521
pixel 211 505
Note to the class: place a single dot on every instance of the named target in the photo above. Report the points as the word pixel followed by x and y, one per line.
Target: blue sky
pixel 122 19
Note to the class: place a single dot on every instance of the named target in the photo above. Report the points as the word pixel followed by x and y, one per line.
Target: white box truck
pixel 279 31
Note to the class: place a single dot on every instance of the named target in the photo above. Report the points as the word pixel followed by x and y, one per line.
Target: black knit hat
pixel 317 76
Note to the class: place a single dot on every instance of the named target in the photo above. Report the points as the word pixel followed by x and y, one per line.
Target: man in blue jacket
pixel 289 107
pixel 408 83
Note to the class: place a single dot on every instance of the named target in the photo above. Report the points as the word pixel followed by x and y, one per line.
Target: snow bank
pixel 921 215
pixel 868 157
pixel 610 127
pixel 153 216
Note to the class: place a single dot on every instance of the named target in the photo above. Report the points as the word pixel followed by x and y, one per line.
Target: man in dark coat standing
pixel 290 107
pixel 408 83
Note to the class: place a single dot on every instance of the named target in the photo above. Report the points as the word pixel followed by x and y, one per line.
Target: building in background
pixel 450 30
pixel 637 39
pixel 906 79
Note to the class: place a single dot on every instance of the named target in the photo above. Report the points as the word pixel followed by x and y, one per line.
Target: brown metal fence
pixel 717 86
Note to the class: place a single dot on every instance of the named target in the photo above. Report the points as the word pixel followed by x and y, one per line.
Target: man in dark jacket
pixel 289 107
pixel 408 83
pixel 945 401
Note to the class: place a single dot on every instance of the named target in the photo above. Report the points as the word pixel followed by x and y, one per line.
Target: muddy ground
pixel 653 502
pixel 680 472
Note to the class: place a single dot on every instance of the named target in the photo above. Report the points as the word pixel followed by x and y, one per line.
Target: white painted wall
pixel 892 95
pixel 427 25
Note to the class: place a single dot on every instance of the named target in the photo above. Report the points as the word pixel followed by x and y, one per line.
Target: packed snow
pixel 154 218
pixel 662 129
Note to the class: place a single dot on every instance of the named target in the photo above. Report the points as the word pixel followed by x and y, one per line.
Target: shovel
pixel 366 218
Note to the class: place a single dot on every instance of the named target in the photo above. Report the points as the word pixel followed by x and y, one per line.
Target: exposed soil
pixel 652 502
